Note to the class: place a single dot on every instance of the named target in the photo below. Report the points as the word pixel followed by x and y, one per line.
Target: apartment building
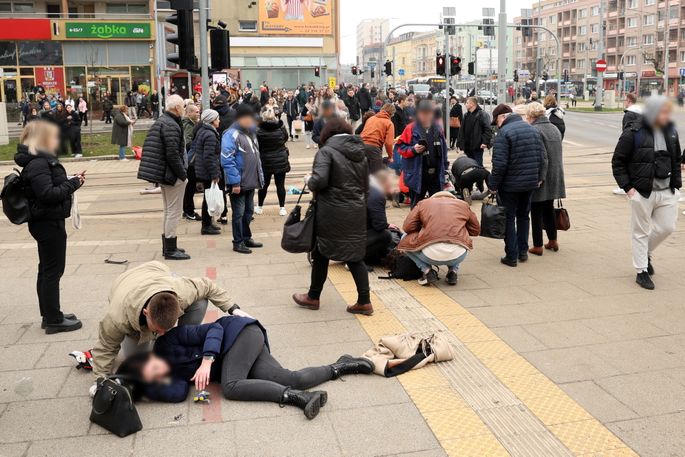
pixel 75 47
pixel 637 33
pixel 370 32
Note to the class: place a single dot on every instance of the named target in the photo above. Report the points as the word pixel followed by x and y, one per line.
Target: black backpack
pixel 15 204
pixel 401 267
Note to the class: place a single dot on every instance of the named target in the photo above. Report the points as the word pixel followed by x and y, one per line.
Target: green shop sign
pixel 108 30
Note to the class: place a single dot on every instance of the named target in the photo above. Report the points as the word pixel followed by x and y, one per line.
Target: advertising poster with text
pixel 296 17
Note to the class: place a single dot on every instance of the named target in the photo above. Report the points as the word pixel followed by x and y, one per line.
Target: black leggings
pixel 279 179
pixel 542 215
pixel 250 373
pixel 51 237
pixel 360 274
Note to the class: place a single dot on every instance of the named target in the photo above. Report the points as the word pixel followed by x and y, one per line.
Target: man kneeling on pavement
pixel 439 232
pixel 146 302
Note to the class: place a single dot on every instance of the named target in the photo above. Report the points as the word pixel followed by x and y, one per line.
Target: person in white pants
pixel 647 165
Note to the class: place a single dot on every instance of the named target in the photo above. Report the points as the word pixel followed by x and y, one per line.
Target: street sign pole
pixel 502 53
pixel 599 89
pixel 204 52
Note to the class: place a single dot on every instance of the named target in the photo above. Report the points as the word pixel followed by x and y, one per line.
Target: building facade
pixel 637 34
pixel 75 48
pixel 282 46
pixel 369 32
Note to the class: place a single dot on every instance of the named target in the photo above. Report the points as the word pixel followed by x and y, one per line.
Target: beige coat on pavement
pixel 129 294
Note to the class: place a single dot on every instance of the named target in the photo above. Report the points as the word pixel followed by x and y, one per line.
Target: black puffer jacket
pixel 227 116
pixel 518 157
pixel 341 184
pixel 46 185
pixel 272 137
pixel 163 152
pixel 475 130
pixel 206 151
pixel 634 160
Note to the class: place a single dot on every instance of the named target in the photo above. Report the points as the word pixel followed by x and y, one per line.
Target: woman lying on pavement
pixel 233 351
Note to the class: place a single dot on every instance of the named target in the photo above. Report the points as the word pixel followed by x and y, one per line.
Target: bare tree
pixel 92 58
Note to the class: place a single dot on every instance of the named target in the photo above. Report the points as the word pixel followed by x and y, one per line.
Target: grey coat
pixel 553 186
pixel 120 129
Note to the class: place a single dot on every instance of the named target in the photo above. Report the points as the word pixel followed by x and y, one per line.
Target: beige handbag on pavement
pixel 397 354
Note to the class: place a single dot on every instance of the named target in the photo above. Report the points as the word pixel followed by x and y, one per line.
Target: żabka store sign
pixel 102 30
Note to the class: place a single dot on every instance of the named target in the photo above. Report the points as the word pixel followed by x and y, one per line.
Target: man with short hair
pixel 243 170
pixel 379 134
pixel 353 108
pixel 327 112
pixel 632 111
pixel 146 302
pixel 365 100
pixel 475 134
pixel 399 119
pixel 164 163
pixel 519 164
pixel 291 108
pixel 424 154
pixel 190 120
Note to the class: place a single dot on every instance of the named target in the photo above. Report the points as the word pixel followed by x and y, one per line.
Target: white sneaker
pixel 619 191
pixel 78 156
pixel 307 147
pixel 258 210
pixel 123 160
pixel 282 212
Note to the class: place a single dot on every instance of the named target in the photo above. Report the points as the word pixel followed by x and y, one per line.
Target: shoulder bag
pixel 298 232
pixel 113 408
pixel 561 217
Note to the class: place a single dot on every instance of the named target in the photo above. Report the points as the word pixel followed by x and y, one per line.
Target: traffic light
pixel 373 73
pixel 516 76
pixel 355 70
pixel 440 65
pixel 388 68
pixel 545 76
pixel 317 71
pixel 472 68
pixel 455 65
pixel 488 27
pixel 219 42
pixel 184 38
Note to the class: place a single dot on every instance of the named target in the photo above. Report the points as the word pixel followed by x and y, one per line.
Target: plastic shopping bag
pixel 215 200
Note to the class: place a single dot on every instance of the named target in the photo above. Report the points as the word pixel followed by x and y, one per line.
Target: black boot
pixel 351 365
pixel 171 251
pixel 164 246
pixel 309 402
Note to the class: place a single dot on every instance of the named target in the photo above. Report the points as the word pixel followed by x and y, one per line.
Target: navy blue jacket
pixel 183 348
pixel 518 157
pixel 376 218
pixel 412 164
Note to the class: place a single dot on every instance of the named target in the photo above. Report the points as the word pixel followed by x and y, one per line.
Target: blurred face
pixel 664 116
pixel 52 141
pixel 60 107
pixel 425 118
pixel 246 122
pixel 155 369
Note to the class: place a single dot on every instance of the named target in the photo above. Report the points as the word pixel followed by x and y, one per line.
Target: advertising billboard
pixel 296 17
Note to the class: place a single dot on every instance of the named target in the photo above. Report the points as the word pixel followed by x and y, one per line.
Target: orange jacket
pixel 379 131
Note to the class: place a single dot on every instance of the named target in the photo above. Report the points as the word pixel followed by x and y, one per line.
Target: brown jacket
pixel 443 218
pixel 129 294
pixel 378 131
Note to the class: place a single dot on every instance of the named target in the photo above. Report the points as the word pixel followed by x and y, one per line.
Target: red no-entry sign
pixel 601 65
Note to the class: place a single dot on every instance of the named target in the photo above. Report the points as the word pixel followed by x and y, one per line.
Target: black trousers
pixel 250 373
pixel 188 196
pixel 279 179
pixel 430 184
pixel 477 176
pixel 206 218
pixel 51 237
pixel 360 274
pixel 377 246
pixel 107 116
pixel 290 120
pixel 73 136
pixel 542 216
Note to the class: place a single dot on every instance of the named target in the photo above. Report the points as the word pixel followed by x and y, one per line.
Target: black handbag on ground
pixel 113 408
pixel 493 220
pixel 298 232
pixel 561 217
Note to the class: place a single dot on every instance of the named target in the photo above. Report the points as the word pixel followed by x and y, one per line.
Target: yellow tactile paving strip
pixel 458 428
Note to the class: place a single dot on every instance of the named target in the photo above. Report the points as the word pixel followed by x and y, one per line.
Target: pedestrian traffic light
pixel 388 68
pixel 317 71
pixel 440 65
pixel 516 76
pixel 472 68
pixel 355 70
pixel 373 73
pixel 219 42
pixel 184 38
pixel 455 65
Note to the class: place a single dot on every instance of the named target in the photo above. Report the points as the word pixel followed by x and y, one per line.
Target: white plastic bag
pixel 215 200
pixel 75 213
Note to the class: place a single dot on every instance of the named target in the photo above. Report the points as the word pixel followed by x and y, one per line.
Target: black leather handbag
pixel 493 219
pixel 113 408
pixel 298 232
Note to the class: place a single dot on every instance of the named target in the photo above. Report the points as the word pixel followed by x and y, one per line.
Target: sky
pixel 405 11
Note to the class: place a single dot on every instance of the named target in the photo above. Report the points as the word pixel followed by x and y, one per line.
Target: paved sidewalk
pixel 563 356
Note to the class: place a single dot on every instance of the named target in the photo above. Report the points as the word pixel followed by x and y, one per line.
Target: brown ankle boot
pixel 306 302
pixel 366 310
pixel 536 250
pixel 552 246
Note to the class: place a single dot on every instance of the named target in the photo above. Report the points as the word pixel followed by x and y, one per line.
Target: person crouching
pixel 439 232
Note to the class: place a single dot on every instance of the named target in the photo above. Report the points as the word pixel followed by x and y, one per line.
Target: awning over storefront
pixel 283 62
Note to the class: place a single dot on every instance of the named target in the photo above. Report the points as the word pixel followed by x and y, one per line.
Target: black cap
pixel 244 110
pixel 502 108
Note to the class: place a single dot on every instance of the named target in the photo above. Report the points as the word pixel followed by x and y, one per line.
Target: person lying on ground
pixel 146 302
pixel 466 172
pixel 233 351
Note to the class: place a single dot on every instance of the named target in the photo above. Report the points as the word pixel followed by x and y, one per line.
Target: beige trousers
pixel 172 196
pixel 653 220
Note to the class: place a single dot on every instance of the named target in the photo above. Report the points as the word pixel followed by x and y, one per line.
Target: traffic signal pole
pixel 204 52
pixel 501 53
pixel 448 69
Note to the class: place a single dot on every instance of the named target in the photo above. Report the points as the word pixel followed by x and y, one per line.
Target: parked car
pixel 486 97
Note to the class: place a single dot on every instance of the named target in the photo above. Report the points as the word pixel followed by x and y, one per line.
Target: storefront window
pixel 8 53
pixel 26 71
pixel 76 80
pixel 140 79
pixel 27 85
pixel 40 53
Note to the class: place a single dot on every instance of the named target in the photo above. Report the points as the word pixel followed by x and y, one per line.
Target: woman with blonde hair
pixel 49 191
pixel 552 187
